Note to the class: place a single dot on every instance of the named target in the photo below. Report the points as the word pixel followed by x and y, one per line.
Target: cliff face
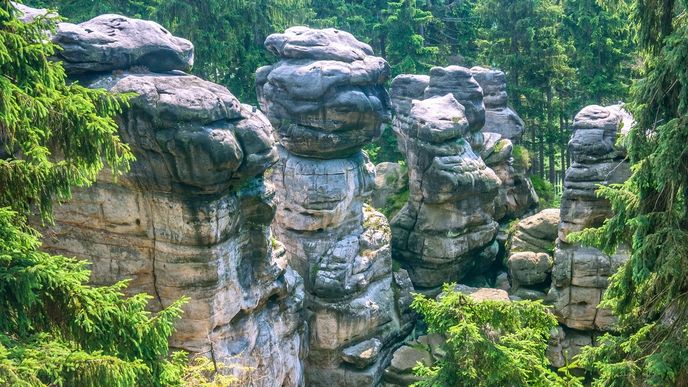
pixel 192 217
pixel 448 228
pixel 326 99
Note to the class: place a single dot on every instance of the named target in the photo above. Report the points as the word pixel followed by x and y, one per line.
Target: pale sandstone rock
pixel 192 216
pixel 116 42
pixel 326 99
pixel 390 179
pixel 499 118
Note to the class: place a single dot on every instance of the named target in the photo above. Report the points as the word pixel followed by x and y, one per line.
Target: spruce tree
pixel 55 329
pixel 650 292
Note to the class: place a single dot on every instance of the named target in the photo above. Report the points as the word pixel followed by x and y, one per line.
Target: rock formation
pixel 499 118
pixel 326 99
pixel 447 224
pixel 192 216
pixel 448 227
pixel 390 179
pixel 516 195
pixel 531 254
pixel 580 274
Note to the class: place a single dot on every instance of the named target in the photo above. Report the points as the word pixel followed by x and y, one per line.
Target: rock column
pixel 580 274
pixel 192 217
pixel 326 99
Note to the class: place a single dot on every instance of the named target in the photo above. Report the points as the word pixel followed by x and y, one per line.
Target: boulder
pixel 529 268
pixel 115 42
pixel 537 233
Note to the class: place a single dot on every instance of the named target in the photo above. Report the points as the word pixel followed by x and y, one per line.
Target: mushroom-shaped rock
pixel 326 95
pixel 115 42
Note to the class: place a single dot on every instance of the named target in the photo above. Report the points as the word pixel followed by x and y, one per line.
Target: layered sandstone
pixel 192 216
pixel 326 99
pixel 499 118
pixel 580 274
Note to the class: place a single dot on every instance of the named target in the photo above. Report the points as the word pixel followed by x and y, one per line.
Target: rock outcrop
pixel 192 216
pixel 446 229
pixel 499 118
pixel 580 274
pixel 516 195
pixel 462 180
pixel 326 99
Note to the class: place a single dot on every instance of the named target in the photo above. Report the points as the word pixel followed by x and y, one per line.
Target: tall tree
pixel 406 49
pixel 650 292
pixel 55 329
pixel 524 39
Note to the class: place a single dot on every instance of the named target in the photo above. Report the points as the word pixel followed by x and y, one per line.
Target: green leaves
pixel 489 343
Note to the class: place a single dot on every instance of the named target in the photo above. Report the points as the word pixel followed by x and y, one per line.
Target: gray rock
pixel 192 219
pixel 516 195
pixel 565 344
pixel 537 233
pixel 483 294
pixel 529 268
pixel 115 42
pixel 459 82
pixel 362 354
pixel 400 371
pixel 326 99
pixel 499 118
pixel 580 274
pixel 326 95
pixel 446 226
pixel 28 14
pixel 193 136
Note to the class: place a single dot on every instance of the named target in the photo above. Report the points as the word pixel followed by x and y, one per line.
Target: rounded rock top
pixel 317 44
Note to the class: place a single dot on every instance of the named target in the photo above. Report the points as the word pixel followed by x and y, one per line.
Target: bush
pixel 489 343
pixel 521 158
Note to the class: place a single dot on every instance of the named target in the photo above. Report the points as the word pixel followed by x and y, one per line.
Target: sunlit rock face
pixel 499 118
pixel 516 195
pixel 325 99
pixel 192 217
pixel 446 229
pixel 580 274
pixel 462 179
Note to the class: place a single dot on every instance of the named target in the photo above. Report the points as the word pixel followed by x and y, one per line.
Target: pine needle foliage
pixel 55 329
pixel 650 292
pixel 53 134
pixel 489 343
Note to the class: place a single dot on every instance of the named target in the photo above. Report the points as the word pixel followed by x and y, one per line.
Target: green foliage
pixel 384 148
pixel 521 158
pixel 649 294
pixel 545 191
pixel 54 135
pixel 489 343
pixel 55 329
pixel 395 203
pixel 406 49
pixel 58 330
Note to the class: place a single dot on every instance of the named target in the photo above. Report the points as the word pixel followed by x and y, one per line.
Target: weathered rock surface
pixel 580 274
pixel 537 233
pixel 565 344
pixel 390 179
pixel 446 228
pixel 529 268
pixel 325 98
pixel 516 195
pixel 499 118
pixel 192 217
pixel 326 95
pixel 115 42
